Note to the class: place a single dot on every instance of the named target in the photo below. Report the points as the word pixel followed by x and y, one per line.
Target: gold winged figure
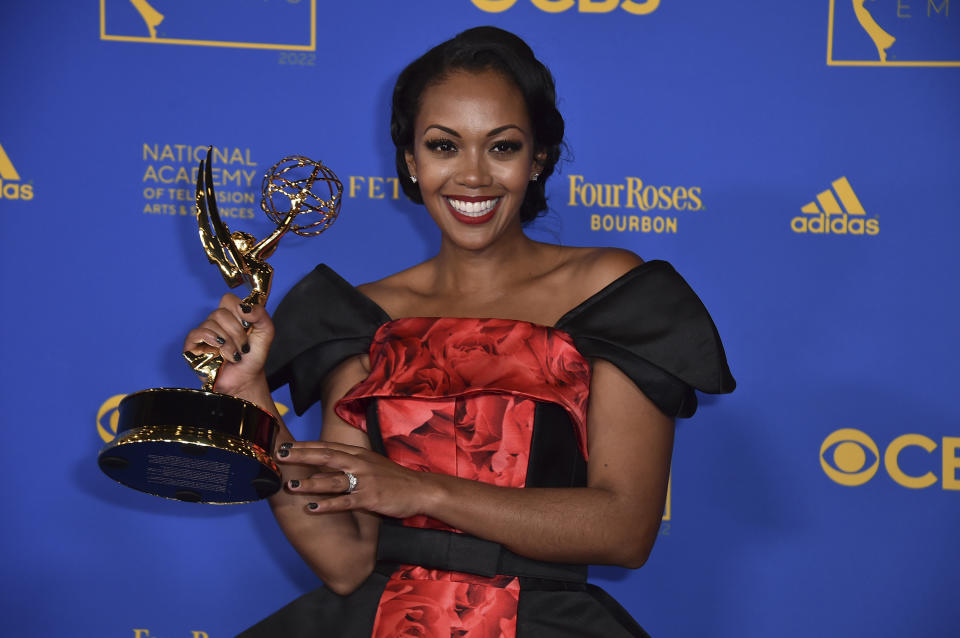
pixel 240 258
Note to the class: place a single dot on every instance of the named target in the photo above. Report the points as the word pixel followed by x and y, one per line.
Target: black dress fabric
pixel 648 322
pixel 651 324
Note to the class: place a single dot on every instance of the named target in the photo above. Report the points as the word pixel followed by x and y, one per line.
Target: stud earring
pixel 413 178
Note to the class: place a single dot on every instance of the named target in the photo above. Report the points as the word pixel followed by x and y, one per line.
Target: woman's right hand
pixel 242 335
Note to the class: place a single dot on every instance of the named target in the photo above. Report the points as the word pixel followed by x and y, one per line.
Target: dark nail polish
pixel 286 446
pixel 221 340
pixel 312 506
pixel 245 348
pixel 236 356
pixel 283 453
pixel 246 307
pixel 294 483
pixel 244 323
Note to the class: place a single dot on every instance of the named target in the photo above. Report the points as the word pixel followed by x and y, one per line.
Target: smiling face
pixel 473 156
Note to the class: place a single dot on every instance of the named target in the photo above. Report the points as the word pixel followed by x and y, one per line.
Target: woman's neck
pixel 489 272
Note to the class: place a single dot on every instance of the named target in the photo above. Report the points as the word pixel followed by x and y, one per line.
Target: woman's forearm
pixel 578 525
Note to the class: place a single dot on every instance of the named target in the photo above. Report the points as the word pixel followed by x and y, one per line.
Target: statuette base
pixel 193 445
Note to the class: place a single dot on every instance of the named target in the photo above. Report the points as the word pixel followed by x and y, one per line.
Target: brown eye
pixel 441 146
pixel 506 146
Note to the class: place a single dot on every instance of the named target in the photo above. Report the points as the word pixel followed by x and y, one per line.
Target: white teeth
pixel 473 209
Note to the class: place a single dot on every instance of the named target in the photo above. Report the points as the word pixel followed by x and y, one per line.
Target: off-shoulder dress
pixel 493 400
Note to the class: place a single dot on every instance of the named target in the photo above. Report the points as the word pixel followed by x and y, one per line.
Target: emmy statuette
pixel 200 445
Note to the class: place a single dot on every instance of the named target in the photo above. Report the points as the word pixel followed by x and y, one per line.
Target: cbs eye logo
pixel 850 457
pixel 583 6
pixel 108 417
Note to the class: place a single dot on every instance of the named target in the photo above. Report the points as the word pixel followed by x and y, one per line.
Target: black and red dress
pixel 493 400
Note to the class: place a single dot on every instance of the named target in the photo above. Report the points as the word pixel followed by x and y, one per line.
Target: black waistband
pixel 437 549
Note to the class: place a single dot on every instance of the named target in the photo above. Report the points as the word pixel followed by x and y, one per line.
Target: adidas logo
pixel 827 216
pixel 10 186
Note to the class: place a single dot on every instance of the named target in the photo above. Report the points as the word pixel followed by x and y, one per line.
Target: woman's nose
pixel 473 171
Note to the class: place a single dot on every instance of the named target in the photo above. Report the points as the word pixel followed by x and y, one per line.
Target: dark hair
pixel 482 49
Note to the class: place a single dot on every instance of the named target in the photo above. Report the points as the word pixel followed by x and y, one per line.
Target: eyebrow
pixel 494 132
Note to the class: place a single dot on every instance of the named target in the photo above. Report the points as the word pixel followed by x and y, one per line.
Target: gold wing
pixel 214 234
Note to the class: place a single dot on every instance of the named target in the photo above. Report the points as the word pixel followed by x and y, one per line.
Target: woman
pixel 447 387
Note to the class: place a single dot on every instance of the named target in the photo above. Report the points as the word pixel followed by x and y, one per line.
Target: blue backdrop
pixel 797 162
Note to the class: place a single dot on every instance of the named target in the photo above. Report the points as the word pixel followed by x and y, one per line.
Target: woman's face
pixel 473 156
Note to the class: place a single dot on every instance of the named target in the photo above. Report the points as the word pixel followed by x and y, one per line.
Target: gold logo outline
pixel 667 505
pixel 855 477
pixel 312 46
pixel 849 202
pixel 901 63
pixel 7 169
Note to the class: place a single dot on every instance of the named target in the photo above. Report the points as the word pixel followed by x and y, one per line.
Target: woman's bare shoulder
pixel 593 268
pixel 394 292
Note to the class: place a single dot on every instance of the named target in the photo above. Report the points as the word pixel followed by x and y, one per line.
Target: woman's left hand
pixel 382 486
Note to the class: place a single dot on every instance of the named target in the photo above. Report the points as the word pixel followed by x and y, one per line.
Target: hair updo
pixel 477 50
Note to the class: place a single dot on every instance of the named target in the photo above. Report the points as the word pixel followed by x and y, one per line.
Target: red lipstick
pixel 471 217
